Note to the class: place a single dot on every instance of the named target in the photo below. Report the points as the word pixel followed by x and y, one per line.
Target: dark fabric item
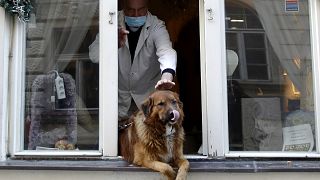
pixel 52 121
pixel 133 108
pixel 133 38
pixel 169 71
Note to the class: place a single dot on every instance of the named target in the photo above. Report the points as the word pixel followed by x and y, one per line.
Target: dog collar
pixel 124 126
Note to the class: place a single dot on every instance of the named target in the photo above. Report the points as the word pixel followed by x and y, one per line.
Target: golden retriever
pixel 155 136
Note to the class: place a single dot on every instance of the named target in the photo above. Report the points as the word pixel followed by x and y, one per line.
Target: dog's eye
pixel 174 101
pixel 160 103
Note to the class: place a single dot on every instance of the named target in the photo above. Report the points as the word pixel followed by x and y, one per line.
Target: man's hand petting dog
pixel 155 136
pixel 165 83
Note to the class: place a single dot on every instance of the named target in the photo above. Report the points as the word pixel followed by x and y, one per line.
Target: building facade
pixel 248 75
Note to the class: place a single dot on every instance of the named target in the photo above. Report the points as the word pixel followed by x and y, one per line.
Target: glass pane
pixel 271 109
pixel 232 44
pixel 256 56
pixel 238 17
pixel 252 20
pixel 232 41
pixel 254 40
pixel 62 80
pixel 257 72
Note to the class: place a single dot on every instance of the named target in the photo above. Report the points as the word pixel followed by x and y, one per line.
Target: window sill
pixel 207 165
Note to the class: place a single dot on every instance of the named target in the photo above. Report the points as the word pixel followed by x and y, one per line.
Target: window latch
pixel 210 17
pixel 111 14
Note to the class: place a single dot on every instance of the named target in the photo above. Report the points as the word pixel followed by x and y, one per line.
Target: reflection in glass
pixel 62 83
pixel 270 93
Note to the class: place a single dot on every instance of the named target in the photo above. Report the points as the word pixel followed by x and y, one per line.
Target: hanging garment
pixel 52 119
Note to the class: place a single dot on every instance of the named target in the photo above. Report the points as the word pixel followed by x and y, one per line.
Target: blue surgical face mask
pixel 135 21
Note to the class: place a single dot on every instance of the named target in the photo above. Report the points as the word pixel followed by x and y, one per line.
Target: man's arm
pixel 167 56
pixel 94 47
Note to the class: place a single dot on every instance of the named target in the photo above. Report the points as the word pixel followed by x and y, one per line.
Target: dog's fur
pixel 153 141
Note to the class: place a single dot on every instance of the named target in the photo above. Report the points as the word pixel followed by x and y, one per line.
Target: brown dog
pixel 155 137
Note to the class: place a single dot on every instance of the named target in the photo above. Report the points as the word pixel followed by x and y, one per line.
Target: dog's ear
pixel 147 106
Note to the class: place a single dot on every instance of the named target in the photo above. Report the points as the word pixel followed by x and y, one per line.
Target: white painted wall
pixel 100 175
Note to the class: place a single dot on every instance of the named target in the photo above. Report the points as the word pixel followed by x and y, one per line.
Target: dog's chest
pixel 170 131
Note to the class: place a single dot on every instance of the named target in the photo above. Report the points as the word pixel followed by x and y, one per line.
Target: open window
pixel 270 92
pixel 58 106
pixel 65 114
pixel 182 22
pixel 246 75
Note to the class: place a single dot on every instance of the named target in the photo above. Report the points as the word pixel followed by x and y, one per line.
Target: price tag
pixel 61 93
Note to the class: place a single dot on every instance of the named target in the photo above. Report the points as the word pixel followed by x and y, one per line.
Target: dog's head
pixel 163 107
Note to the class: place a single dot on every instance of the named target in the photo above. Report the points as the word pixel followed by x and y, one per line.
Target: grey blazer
pixel 153 54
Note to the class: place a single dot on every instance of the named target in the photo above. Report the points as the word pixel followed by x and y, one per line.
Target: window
pixel 279 114
pixel 82 121
pixel 61 84
pixel 59 52
pixel 249 104
pixel 182 22
pixel 261 94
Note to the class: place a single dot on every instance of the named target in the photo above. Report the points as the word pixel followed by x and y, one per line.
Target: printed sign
pixel 298 138
pixel 292 5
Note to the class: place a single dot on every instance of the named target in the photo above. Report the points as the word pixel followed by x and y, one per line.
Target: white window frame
pixel 315 45
pixel 216 88
pixel 214 72
pixel 213 80
pixel 5 38
pixel 108 92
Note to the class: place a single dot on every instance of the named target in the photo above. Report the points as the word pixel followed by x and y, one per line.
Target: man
pixel 146 58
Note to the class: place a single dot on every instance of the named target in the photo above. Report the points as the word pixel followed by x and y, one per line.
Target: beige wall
pixel 78 175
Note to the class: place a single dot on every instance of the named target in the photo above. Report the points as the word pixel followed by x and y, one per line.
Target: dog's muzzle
pixel 174 116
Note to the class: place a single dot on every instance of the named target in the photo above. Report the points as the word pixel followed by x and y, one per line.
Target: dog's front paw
pixel 183 169
pixel 182 176
pixel 170 173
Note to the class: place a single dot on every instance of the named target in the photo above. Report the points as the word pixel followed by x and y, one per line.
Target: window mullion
pixel 216 79
pixel 5 34
pixel 108 103
pixel 268 59
pixel 16 79
pixel 314 7
pixel 243 62
pixel 203 80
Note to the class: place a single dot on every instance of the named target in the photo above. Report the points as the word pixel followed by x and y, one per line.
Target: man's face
pixel 135 8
